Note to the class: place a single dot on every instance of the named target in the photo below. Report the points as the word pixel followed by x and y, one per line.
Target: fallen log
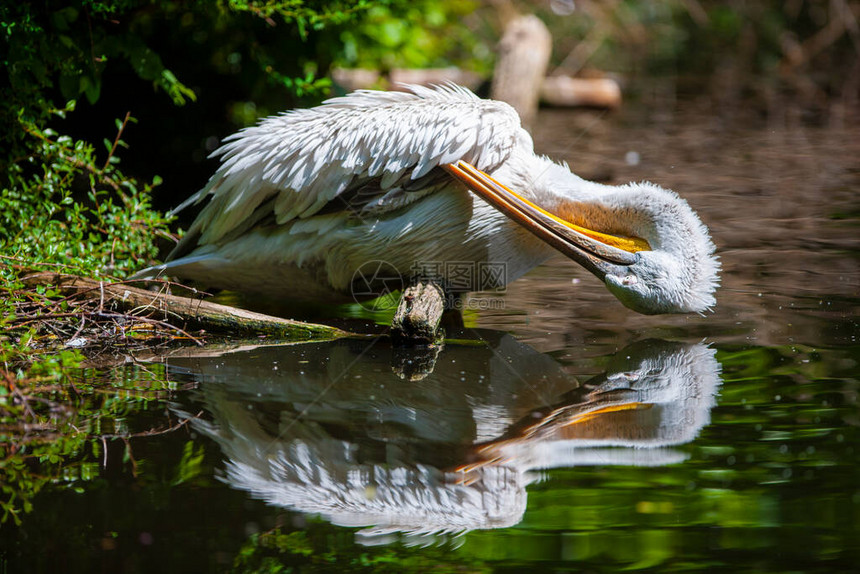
pixel 564 91
pixel 431 76
pixel 186 312
pixel 351 79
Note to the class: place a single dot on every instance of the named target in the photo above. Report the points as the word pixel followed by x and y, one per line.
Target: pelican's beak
pixel 600 253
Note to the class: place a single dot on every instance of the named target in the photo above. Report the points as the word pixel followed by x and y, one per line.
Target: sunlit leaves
pixel 303 14
pixel 89 216
pixel 418 34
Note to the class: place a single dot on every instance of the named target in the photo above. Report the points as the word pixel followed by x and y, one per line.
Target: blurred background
pixel 191 73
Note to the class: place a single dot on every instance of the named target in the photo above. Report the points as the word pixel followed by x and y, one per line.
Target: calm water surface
pixel 561 432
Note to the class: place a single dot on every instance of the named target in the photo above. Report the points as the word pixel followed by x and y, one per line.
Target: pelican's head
pixel 655 283
pixel 673 268
pixel 643 241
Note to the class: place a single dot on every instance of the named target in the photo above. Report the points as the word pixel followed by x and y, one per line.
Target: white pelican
pixel 303 200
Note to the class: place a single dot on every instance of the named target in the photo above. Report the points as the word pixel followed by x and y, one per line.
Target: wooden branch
pixel 195 313
pixel 593 92
pixel 430 76
pixel 364 79
pixel 416 321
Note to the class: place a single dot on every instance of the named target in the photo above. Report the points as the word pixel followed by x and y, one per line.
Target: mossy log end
pixel 185 311
pixel 416 321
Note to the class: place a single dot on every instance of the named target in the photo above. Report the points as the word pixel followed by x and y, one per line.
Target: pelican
pixel 428 179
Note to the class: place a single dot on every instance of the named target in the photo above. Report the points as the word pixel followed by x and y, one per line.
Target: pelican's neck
pixel 643 210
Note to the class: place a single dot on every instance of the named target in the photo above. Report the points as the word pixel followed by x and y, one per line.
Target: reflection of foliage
pixel 28 425
pixel 190 467
pixel 311 551
pixel 55 420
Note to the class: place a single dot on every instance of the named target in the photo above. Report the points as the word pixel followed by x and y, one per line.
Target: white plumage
pixel 304 199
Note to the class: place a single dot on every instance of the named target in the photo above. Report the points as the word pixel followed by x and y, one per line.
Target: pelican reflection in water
pixel 303 200
pixel 448 453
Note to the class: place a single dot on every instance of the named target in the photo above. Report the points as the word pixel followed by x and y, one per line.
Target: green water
pixel 562 433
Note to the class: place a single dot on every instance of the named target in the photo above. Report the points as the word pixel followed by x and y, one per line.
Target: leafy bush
pixel 46 223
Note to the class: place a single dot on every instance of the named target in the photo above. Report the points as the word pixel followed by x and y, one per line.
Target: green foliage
pixel 305 15
pixel 89 214
pixel 55 419
pixel 418 34
pixel 63 208
pixel 69 48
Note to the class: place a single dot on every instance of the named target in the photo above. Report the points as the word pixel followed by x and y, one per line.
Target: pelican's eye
pixel 630 280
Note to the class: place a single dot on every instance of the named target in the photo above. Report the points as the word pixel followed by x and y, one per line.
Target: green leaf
pixel 91 88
